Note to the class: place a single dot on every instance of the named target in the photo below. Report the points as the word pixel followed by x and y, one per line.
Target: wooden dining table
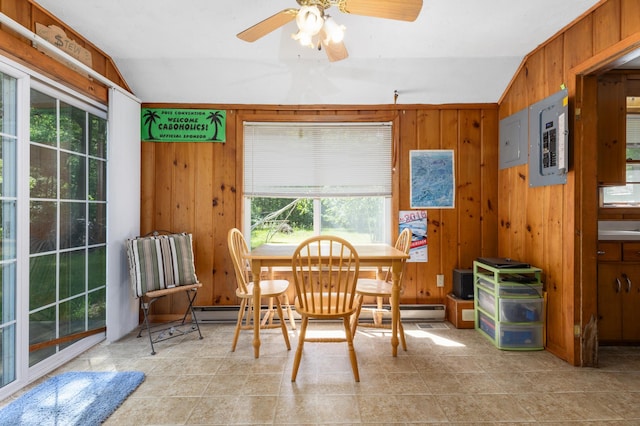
pixel 370 255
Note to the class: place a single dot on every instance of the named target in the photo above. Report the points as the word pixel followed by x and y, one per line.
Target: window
pixel 303 179
pixel 628 195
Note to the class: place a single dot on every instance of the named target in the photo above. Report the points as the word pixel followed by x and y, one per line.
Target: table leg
pixel 396 269
pixel 255 271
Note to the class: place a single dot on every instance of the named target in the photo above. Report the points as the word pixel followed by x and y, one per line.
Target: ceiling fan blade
pixel 335 51
pixel 272 23
pixel 402 10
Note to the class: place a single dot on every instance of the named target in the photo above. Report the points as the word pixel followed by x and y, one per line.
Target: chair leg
pixel 352 351
pixel 145 306
pixel 356 317
pixel 249 316
pixel 292 320
pixel 403 340
pixel 243 306
pixel 268 315
pixel 377 314
pixel 283 324
pixel 191 298
pixel 301 337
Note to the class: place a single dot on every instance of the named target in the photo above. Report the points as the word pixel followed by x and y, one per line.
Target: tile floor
pixel 448 376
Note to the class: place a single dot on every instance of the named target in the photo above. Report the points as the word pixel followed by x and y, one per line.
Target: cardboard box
pixel 460 312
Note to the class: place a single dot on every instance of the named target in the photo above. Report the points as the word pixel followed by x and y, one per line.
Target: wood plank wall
pixel 549 226
pixel 196 187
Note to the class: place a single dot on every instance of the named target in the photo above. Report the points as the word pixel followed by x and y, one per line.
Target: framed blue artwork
pixel 432 179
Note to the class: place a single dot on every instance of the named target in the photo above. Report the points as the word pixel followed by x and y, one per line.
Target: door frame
pixel 584 92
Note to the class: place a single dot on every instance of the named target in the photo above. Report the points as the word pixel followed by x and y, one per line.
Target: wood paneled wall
pixel 555 227
pixel 196 187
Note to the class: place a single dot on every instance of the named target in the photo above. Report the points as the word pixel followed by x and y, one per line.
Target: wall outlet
pixel 440 280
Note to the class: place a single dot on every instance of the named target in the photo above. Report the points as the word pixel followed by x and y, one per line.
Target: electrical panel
pixel 514 144
pixel 549 140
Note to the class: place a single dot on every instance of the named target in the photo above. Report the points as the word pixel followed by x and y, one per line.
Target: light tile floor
pixel 447 376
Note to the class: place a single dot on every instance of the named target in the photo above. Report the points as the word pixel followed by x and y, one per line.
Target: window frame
pixel 389 199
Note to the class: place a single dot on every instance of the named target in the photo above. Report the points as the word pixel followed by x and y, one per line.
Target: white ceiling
pixel 186 51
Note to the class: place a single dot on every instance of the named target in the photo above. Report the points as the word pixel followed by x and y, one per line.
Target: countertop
pixel 618 230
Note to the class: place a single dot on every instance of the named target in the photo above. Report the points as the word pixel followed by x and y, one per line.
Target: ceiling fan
pixel 318 29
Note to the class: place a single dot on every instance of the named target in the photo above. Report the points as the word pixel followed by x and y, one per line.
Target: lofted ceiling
pixel 186 51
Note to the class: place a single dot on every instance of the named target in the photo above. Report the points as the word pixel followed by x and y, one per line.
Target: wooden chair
pixel 273 290
pixel 381 289
pixel 325 272
pixel 161 264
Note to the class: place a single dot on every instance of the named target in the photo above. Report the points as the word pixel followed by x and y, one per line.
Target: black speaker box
pixel 463 283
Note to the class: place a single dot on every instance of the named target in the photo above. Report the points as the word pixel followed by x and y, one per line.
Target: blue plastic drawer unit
pixel 487 324
pixel 510 336
pixel 509 306
pixel 520 336
pixel 520 310
pixel 486 301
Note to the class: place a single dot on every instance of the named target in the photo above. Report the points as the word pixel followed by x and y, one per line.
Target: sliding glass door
pixel 67 217
pixel 53 225
pixel 8 227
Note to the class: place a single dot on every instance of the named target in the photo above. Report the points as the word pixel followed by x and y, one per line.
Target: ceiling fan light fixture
pixel 334 32
pixel 304 38
pixel 310 20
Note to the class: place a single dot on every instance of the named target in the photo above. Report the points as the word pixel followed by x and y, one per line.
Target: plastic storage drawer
pixel 520 310
pixel 512 336
pixel 486 324
pixel 487 285
pixel 486 301
pixel 511 289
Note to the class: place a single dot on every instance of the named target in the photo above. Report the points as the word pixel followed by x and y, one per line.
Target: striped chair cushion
pixel 145 265
pixel 177 254
pixel 160 262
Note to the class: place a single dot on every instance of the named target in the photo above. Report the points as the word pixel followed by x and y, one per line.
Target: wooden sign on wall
pixel 56 36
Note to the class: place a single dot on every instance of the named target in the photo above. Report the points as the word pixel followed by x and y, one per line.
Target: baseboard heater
pixel 430 312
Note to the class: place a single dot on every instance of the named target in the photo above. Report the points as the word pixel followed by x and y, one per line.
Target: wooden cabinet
pixel 619 293
pixel 613 90
pixel 611 130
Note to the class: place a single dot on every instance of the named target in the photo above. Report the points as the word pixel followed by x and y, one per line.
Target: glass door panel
pixel 8 227
pixel 67 281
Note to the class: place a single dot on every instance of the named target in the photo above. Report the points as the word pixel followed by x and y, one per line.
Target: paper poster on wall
pixel 183 125
pixel 432 179
pixel 416 221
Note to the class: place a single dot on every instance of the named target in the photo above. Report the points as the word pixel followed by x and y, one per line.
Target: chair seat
pixel 172 290
pixel 268 288
pixel 371 287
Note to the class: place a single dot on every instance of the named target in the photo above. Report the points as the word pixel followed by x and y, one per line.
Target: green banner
pixel 183 125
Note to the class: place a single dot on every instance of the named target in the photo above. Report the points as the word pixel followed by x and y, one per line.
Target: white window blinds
pixel 317 159
pixel 633 131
